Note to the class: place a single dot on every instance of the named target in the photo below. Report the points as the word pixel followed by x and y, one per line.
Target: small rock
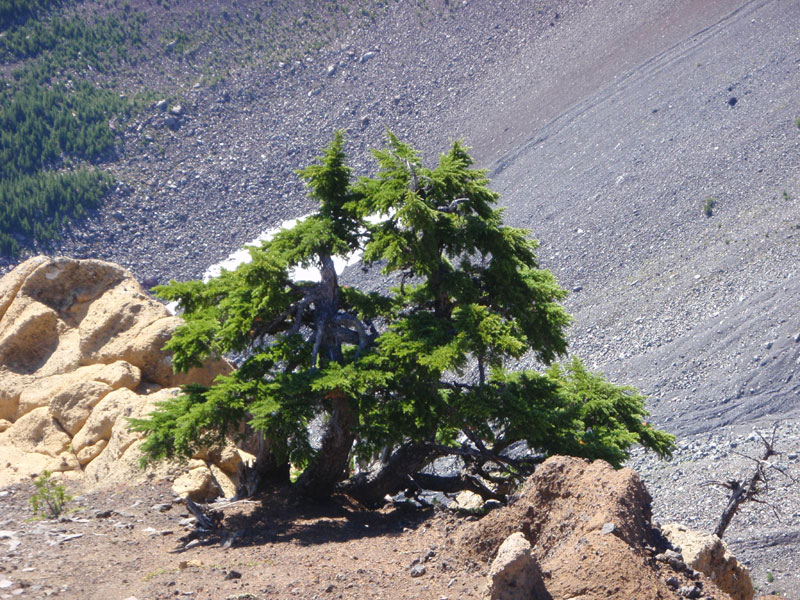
pixel 331 70
pixel 176 110
pixel 690 591
pixel 672 582
pixel 366 56
pixel 608 528
pixel 418 570
pixel 172 122
pixel 164 507
pixel 233 575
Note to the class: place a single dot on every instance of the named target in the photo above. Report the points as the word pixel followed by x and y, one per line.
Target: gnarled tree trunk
pixel 393 475
pixel 330 464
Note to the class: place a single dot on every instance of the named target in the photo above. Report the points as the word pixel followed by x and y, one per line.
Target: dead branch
pixel 748 490
pixel 205 519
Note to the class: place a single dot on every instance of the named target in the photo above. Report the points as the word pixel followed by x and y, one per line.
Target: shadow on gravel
pixel 278 517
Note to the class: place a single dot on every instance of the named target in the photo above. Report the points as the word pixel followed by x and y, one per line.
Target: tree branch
pixel 453 484
pixel 747 491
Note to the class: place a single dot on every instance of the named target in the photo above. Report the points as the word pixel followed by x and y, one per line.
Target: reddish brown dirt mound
pixel 589 528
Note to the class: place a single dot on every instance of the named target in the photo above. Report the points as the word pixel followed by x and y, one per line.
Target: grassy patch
pixel 708 206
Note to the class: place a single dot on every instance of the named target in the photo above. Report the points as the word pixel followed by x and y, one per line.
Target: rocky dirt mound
pixel 590 536
pixel 80 353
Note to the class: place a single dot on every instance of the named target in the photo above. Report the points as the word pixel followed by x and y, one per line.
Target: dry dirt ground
pixel 129 542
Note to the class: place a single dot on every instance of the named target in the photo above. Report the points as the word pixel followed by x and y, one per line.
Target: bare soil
pixel 129 542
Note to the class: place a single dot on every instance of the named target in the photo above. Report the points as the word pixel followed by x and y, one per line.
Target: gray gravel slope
pixel 699 312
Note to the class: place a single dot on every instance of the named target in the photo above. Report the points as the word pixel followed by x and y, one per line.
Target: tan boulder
pixel 226 482
pixel 11 387
pixel 707 553
pixel 197 483
pixel 81 351
pixel 227 458
pixel 468 501
pixel 19 465
pixel 10 283
pixel 101 422
pixel 89 452
pixel 72 406
pixel 514 574
pixel 119 459
pixel 28 337
pixel 37 432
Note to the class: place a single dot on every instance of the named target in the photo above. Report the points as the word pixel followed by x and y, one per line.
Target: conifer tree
pixel 399 377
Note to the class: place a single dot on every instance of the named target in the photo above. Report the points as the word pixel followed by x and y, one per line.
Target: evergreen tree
pixel 403 377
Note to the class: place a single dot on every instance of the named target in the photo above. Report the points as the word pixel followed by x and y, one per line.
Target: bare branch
pixel 318 335
pixel 300 308
pixel 758 483
pixel 351 319
pixel 454 206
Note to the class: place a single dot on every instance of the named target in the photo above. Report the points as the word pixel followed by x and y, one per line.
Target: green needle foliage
pixel 399 377
pixel 49 499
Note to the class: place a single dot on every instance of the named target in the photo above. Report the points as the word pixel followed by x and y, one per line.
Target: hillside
pixel 606 128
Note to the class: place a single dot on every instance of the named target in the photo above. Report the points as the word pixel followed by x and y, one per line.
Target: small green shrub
pixel 50 498
pixel 770 577
pixel 708 207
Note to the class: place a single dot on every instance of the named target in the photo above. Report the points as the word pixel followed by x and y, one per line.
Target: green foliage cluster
pixel 50 498
pixel 708 206
pixel 38 206
pixel 73 43
pixel 423 365
pixel 18 11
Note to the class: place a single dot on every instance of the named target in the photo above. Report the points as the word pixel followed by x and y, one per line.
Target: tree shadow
pixel 279 517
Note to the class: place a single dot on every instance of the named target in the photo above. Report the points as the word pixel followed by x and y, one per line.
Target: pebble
pixel 418 570
pixel 608 528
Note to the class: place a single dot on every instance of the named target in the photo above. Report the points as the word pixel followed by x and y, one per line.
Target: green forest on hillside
pixel 62 64
pixel 54 124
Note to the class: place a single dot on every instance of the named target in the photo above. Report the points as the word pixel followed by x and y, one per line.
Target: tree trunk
pixel 392 476
pixel 265 469
pixel 329 467
pixel 738 495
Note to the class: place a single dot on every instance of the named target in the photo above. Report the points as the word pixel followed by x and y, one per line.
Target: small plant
pixel 786 195
pixel 770 577
pixel 50 498
pixel 797 122
pixel 708 207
